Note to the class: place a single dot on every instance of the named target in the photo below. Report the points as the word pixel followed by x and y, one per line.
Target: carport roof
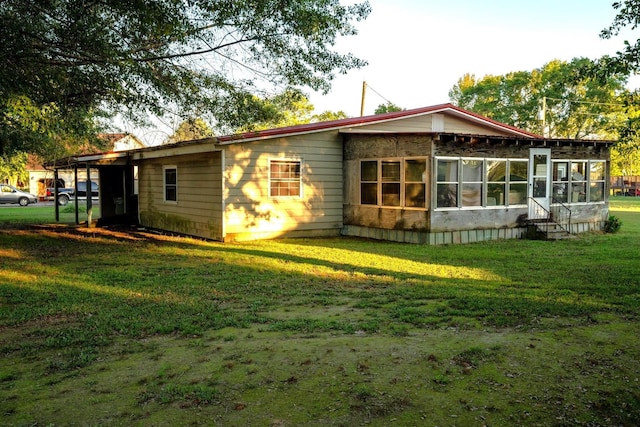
pixel 91 160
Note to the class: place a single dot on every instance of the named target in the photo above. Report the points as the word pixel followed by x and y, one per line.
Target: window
pixel 447 183
pixel 390 183
pixel 472 182
pixel 460 182
pixel 596 181
pixel 496 182
pixel 395 183
pixel 518 176
pixel 369 182
pixel 560 182
pixel 414 183
pixel 170 184
pixel 284 178
pixel 578 182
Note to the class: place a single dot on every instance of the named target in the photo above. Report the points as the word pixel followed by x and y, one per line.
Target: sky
pixel 418 49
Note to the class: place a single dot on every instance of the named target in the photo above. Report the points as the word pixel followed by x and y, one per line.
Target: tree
pixel 389 107
pixel 189 130
pixel 625 154
pixel 327 116
pixel 68 63
pixel 289 108
pixel 627 60
pixel 13 168
pixel 573 104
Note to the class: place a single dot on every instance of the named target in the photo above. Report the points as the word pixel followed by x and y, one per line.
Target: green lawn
pixel 39 214
pixel 100 327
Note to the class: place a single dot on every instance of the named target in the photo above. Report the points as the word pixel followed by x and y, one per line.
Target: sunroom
pixel 448 188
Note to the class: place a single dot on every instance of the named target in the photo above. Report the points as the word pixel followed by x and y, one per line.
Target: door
pixel 539 182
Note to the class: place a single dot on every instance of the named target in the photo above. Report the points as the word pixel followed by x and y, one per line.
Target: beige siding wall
pixel 424 123
pixel 198 210
pixel 249 211
pixel 457 125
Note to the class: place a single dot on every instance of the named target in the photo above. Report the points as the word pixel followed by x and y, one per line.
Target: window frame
pixel 587 180
pixel 484 184
pixel 406 183
pixel 466 182
pixel 166 185
pixel 592 181
pixel 298 179
pixel 447 182
pixel 401 182
pixel 504 183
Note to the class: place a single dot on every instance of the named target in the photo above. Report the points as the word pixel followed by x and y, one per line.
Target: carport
pixel 117 194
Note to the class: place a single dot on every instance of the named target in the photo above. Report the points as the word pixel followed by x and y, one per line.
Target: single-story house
pixel 431 175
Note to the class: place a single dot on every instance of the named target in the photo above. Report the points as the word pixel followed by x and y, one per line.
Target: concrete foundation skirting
pixel 435 238
pixel 587 227
pixel 454 237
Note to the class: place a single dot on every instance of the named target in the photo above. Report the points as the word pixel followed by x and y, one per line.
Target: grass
pixel 11 215
pixel 103 327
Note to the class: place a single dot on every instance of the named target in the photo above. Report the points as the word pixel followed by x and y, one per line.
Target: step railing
pixel 543 217
pixel 561 214
pixel 557 216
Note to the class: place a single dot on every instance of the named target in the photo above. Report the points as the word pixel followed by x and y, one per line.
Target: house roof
pixel 378 118
pixel 509 134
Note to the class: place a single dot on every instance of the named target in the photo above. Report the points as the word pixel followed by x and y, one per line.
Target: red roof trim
pixel 358 121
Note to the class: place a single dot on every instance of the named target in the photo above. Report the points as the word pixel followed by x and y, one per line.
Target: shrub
pixel 612 225
pixel 70 208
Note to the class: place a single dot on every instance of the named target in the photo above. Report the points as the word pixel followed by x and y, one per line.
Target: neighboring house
pixel 122 141
pixel 432 175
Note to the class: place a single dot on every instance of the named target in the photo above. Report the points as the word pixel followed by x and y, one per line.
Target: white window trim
pixel 460 182
pixel 434 190
pixel 285 159
pixel 587 179
pixel 164 184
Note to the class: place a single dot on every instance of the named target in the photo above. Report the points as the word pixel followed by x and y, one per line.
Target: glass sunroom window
pixel 561 182
pixel 596 181
pixel 394 182
pixel 369 182
pixel 447 183
pixel 518 175
pixel 390 183
pixel 472 178
pixel 496 182
pixel 414 183
pixel 578 182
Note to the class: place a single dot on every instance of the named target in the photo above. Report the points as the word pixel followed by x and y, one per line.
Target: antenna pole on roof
pixel 364 91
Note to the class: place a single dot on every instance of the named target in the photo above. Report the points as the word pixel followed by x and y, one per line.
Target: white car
pixel 10 194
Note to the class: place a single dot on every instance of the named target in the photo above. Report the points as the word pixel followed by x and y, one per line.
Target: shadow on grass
pixel 120 282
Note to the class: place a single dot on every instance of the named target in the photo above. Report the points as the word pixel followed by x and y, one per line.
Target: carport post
pixel 55 193
pixel 89 201
pixel 75 192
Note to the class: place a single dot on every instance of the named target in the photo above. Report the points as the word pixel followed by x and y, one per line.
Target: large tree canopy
pixel 559 96
pixel 65 61
pixel 626 60
pixel 289 108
